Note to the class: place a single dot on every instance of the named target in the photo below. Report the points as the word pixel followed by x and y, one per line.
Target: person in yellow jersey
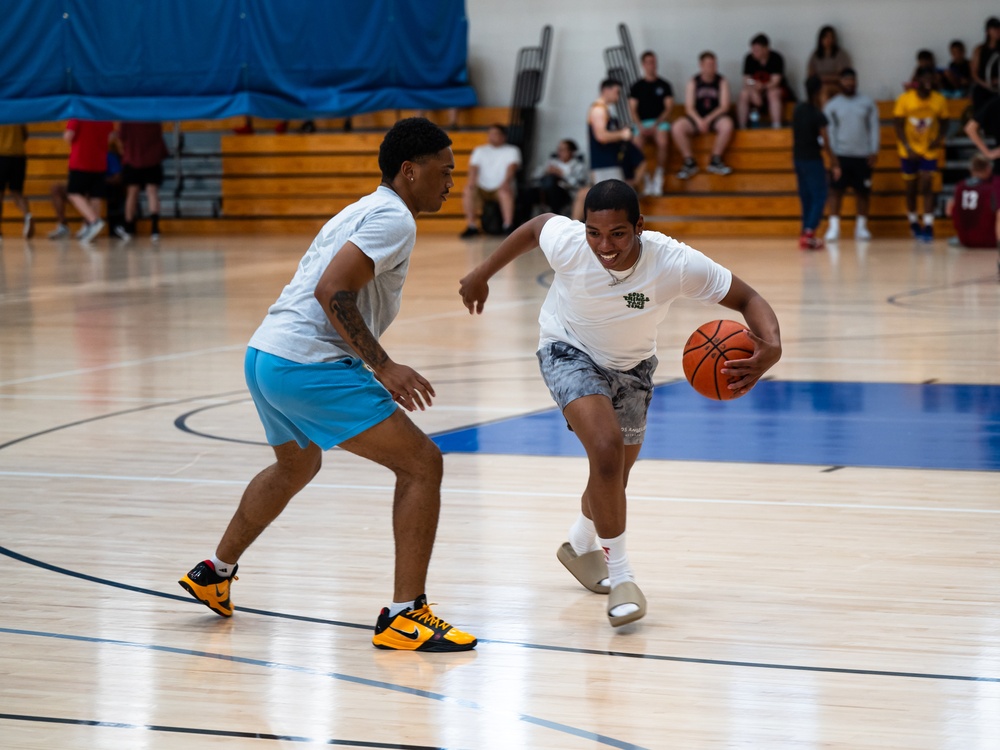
pixel 921 118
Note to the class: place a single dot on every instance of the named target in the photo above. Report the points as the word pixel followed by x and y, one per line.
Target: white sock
pixel 396 607
pixel 615 556
pixel 619 570
pixel 862 223
pixel 928 220
pixel 224 569
pixel 912 217
pixel 583 535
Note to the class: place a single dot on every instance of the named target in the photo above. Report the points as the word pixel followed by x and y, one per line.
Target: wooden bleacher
pixel 293 183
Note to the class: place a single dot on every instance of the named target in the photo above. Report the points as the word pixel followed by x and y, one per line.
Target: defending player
pixel 597 352
pixel 319 378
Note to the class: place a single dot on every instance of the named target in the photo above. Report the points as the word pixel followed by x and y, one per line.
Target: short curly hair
pixel 409 140
pixel 612 195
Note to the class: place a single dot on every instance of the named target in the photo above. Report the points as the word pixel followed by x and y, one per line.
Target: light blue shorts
pixel 664 126
pixel 324 403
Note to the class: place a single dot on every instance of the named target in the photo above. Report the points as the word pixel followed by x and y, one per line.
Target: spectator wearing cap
pixel 853 129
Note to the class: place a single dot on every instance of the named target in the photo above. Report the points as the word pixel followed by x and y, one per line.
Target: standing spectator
pixel 651 100
pixel 88 163
pixel 986 65
pixel 492 168
pixel 706 107
pixel 975 207
pixel 764 84
pixel 808 137
pixel 826 62
pixel 142 167
pixel 986 122
pixel 921 118
pixel 855 135
pixel 957 77
pixel 13 167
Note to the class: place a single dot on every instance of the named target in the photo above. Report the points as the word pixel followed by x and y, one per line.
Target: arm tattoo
pixel 344 306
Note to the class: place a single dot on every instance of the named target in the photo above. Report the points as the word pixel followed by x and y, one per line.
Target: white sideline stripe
pixel 505 493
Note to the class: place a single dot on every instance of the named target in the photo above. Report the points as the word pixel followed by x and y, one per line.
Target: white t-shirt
pixel 493 162
pixel 296 327
pixel 617 325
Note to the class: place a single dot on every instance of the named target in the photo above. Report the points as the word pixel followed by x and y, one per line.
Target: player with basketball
pixel 597 352
pixel 319 378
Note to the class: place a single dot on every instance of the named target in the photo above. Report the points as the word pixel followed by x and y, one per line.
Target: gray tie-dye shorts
pixel 571 374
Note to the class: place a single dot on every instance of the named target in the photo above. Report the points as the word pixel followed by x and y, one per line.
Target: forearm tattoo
pixel 344 305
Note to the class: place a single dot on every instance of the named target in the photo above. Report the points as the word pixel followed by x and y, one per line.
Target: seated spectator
pixel 651 100
pixel 492 169
pixel 706 108
pixel 613 155
pixel 926 61
pixel 826 63
pixel 984 78
pixel 957 77
pixel 142 167
pixel 559 179
pixel 764 83
pixel 975 207
pixel 13 167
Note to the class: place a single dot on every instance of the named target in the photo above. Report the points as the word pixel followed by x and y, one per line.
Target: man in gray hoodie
pixel 854 139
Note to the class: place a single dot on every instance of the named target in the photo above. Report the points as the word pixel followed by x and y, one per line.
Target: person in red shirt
pixel 142 166
pixel 88 161
pixel 974 206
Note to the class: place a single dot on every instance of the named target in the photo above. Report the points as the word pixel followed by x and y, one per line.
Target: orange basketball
pixel 705 352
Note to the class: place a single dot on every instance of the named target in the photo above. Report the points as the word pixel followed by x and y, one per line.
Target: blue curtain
pixel 194 59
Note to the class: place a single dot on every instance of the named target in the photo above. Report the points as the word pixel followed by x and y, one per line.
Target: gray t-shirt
pixel 853 125
pixel 296 326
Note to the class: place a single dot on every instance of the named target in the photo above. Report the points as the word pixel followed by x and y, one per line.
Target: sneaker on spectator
pixel 688 170
pixel 915 230
pixel 862 233
pixel 59 232
pixel 92 230
pixel 122 233
pixel 927 233
pixel 29 227
pixel 809 241
pixel 469 232
pixel 81 231
pixel 154 237
pixel 832 233
pixel 717 166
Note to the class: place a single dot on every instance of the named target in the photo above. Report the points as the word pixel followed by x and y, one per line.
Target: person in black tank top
pixel 986 66
pixel 707 103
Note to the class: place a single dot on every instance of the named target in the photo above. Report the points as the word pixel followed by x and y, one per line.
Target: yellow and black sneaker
pixel 418 629
pixel 209 588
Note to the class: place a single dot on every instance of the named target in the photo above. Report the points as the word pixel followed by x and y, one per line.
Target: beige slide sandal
pixel 589 568
pixel 626 593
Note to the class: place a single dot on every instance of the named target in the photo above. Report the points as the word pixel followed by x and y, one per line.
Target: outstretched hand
pixel 750 370
pixel 408 387
pixel 474 290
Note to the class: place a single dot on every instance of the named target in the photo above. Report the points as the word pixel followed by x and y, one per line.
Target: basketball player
pixel 921 119
pixel 975 206
pixel 319 378
pixel 597 352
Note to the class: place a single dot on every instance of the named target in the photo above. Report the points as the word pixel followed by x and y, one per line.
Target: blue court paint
pixel 928 426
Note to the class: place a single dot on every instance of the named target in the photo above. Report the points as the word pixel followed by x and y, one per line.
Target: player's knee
pixel 607 457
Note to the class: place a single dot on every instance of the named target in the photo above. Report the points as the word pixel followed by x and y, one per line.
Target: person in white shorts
pixel 597 351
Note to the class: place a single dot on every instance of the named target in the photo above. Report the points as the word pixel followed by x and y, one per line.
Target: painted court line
pixel 505 493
